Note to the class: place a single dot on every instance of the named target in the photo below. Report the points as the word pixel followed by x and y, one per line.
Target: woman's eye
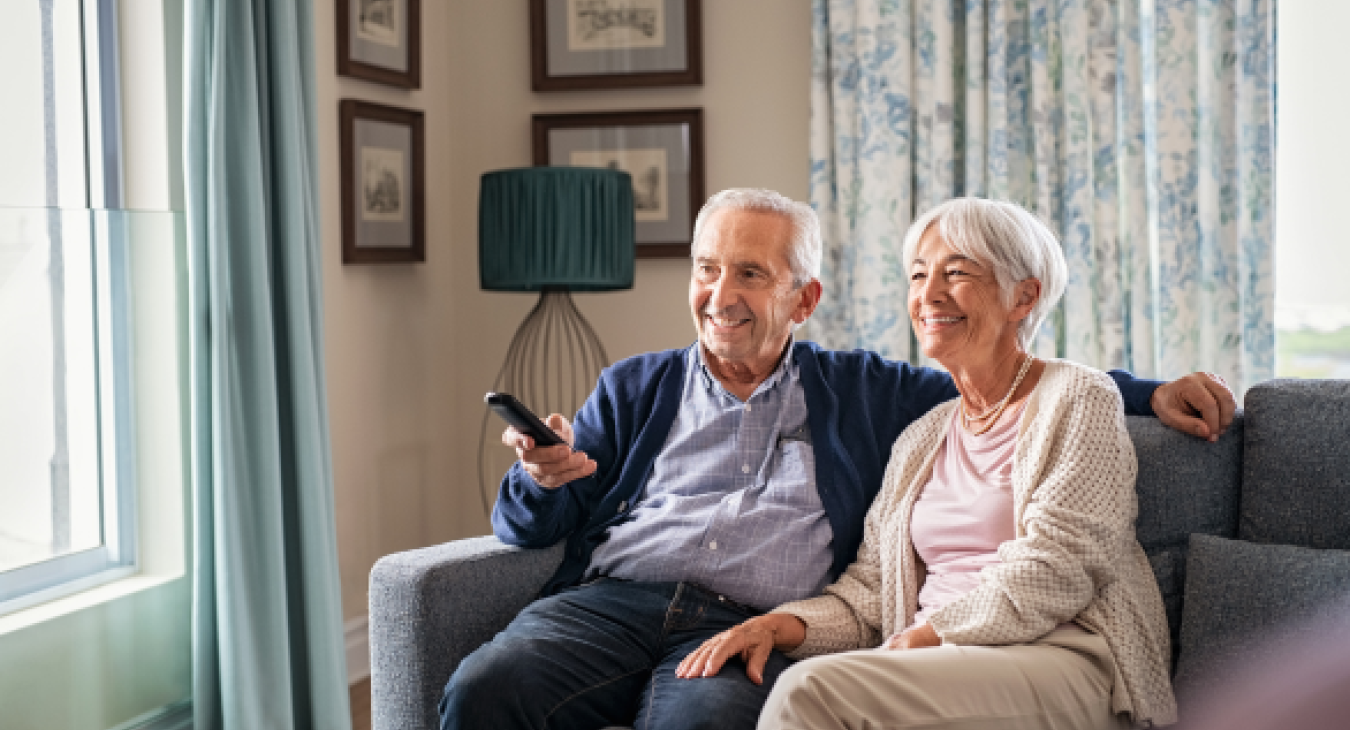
pixel 917 276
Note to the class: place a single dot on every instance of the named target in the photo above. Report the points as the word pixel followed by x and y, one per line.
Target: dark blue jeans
pixel 605 654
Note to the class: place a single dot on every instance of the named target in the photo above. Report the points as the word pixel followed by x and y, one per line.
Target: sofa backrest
pixel 1296 467
pixel 1185 486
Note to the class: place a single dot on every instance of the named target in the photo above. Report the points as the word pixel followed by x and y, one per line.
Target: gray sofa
pixel 1279 476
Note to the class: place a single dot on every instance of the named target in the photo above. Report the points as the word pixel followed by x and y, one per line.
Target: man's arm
pixel 1199 404
pixel 545 494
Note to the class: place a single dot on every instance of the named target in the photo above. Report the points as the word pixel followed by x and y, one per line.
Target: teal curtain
pixel 267 643
pixel 1141 130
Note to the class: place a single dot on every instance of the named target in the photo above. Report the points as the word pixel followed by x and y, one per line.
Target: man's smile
pixel 725 322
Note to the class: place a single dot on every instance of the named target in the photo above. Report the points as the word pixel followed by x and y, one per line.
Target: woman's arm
pixel 1077 524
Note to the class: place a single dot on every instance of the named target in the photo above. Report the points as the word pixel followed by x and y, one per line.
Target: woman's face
pixel 956 307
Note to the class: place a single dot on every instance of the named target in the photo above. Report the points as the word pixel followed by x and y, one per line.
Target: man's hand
pixel 914 637
pixel 550 466
pixel 752 640
pixel 1199 404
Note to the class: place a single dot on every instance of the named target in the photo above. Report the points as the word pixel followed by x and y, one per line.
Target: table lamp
pixel 553 230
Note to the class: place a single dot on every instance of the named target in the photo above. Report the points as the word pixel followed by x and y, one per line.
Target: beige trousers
pixel 1062 680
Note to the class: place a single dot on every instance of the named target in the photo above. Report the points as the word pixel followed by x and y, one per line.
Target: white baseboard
pixel 357 632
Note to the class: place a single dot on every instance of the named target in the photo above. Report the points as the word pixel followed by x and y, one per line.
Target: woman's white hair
pixel 1008 239
pixel 805 247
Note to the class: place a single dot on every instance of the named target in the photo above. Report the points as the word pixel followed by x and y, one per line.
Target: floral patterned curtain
pixel 1141 130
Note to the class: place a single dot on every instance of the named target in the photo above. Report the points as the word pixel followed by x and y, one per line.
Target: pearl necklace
pixel 992 417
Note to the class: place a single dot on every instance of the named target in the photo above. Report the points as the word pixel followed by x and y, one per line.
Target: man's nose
pixel 723 293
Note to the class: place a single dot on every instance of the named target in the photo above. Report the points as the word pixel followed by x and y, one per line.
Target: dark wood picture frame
pixel 690 75
pixel 353 252
pixel 411 78
pixel 545 123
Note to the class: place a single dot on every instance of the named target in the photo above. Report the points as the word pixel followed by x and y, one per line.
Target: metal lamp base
pixel 553 363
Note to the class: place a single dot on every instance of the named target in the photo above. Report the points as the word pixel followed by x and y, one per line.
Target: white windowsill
pixel 108 592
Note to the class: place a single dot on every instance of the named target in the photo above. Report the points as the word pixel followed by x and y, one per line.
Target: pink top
pixel 966 510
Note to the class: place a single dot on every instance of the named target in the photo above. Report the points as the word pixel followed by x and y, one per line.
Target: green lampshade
pixel 556 227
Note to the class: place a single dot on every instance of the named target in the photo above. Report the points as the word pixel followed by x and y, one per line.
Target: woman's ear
pixel 1025 295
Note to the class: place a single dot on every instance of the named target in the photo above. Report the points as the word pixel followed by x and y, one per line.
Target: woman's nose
pixel 929 290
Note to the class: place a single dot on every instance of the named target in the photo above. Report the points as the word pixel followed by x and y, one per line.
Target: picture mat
pixel 374 53
pixel 672 138
pixel 562 62
pixel 599 25
pixel 650 172
pixel 385 136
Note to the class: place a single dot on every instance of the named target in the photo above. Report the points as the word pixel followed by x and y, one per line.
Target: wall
pixel 412 349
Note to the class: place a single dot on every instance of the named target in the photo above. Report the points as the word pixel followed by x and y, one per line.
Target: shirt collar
pixel 711 383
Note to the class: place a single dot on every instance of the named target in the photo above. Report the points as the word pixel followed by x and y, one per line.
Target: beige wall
pixel 412 348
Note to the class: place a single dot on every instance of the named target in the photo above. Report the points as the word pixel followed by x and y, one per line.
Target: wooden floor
pixel 361 705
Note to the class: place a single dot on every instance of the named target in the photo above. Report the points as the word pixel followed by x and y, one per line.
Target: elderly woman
pixel 999 583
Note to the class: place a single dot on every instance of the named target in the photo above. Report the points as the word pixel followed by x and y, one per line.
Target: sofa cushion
pixel 1244 599
pixel 1296 470
pixel 1185 486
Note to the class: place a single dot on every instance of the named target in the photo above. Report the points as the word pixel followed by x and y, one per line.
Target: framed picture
pixel 610 44
pixel 383 194
pixel 661 149
pixel 381 41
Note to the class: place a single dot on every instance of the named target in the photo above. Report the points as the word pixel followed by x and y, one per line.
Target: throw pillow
pixel 1244 599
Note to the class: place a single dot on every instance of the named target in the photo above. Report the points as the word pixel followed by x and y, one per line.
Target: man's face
pixel 741 292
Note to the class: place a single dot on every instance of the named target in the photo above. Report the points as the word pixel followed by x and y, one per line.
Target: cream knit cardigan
pixel 1075 556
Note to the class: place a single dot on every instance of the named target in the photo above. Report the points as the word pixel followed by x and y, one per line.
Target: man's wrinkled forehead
pixel 719 231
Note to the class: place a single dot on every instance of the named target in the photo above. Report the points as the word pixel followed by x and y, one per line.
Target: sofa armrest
pixel 430 608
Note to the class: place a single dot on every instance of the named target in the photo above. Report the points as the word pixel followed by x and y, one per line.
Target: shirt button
pixel 712 545
pixel 747 407
pixel 745 468
pixel 623 505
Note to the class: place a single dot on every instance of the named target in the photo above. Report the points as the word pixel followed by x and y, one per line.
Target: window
pixel 66 467
pixel 1312 242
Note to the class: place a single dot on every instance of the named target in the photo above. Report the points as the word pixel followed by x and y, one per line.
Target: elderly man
pixel 708 485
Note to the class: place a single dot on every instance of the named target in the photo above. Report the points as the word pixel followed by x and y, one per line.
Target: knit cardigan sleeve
pixel 1075 525
pixel 857 610
pixel 848 614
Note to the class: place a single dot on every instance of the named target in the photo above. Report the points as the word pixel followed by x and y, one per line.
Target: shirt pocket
pixel 792 477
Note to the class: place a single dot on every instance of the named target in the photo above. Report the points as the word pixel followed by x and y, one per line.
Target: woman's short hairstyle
pixel 805 247
pixel 1008 239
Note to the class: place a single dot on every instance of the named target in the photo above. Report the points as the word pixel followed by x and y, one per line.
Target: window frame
pixel 116 557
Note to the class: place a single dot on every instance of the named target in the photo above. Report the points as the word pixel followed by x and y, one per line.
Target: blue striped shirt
pixel 731 501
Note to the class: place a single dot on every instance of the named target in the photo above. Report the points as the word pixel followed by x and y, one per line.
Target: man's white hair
pixel 804 249
pixel 1008 239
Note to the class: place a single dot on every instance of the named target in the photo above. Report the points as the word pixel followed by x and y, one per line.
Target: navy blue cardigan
pixel 857 404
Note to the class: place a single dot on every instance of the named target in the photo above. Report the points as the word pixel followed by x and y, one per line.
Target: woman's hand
pixel 914 637
pixel 752 640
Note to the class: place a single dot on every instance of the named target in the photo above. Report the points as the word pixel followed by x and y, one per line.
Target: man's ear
pixel 809 298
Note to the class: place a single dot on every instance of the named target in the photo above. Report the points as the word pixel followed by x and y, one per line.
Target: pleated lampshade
pixel 556 227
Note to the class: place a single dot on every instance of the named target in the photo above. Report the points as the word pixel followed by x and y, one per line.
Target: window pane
pixel 48 387
pixel 1312 243
pixel 42 148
